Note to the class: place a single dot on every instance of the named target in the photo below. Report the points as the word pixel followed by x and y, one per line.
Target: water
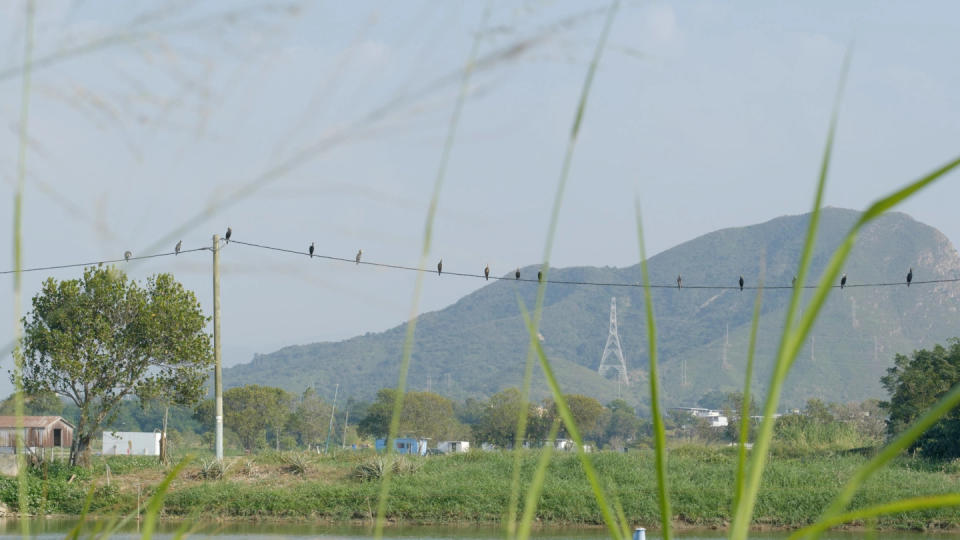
pixel 50 529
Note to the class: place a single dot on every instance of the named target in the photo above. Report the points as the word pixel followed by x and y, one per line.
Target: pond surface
pixel 49 529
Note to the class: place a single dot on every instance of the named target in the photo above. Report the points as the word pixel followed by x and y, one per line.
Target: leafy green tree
pixel 424 414
pixel 498 422
pixel 623 425
pixel 586 412
pixel 101 338
pixel 915 383
pixel 42 404
pixel 310 421
pixel 253 411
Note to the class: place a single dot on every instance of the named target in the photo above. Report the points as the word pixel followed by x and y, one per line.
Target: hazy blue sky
pixel 144 116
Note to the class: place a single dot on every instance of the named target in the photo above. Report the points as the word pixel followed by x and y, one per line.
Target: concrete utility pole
pixel 217 377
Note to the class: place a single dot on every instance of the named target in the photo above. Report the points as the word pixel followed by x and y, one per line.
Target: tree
pixel 311 419
pixel 586 412
pixel 42 404
pixel 498 422
pixel 424 414
pixel 915 383
pixel 623 426
pixel 253 410
pixel 98 339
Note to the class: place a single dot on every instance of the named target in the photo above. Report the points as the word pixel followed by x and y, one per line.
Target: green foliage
pixel 309 423
pixel 821 427
pixel 915 383
pixel 424 414
pixel 498 421
pixel 101 338
pixel 250 411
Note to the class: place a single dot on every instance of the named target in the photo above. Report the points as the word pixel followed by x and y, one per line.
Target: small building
pixel 131 443
pixel 453 447
pixel 39 432
pixel 405 445
pixel 713 417
pixel 569 445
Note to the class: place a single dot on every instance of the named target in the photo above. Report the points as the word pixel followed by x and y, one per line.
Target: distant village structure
pixel 713 417
pixel 40 432
pixel 131 443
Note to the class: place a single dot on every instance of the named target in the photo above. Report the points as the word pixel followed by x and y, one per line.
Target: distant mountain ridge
pixel 478 345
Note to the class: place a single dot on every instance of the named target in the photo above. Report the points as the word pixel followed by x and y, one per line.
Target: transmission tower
pixel 613 348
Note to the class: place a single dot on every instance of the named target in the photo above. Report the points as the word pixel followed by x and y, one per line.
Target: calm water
pixel 57 528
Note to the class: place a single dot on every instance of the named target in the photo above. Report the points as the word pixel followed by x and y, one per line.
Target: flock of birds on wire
pixel 516 274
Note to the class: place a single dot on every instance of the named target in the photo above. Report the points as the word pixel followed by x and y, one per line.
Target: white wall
pixel 132 443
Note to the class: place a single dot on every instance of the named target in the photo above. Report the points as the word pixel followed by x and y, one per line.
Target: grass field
pixel 474 488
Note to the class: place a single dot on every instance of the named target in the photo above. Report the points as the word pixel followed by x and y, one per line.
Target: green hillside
pixel 478 345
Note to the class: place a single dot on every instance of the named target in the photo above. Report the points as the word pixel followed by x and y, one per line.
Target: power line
pixel 573 282
pixel 352 260
pixel 105 261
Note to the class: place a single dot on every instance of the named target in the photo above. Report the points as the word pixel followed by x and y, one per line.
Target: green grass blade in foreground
pixel 574 432
pixel 514 499
pixel 155 504
pixel 745 408
pixel 794 338
pixel 896 507
pixel 659 432
pixel 418 286
pixel 18 402
pixel 946 404
pixel 536 484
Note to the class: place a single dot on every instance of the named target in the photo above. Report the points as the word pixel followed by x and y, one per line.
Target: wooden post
pixel 217 377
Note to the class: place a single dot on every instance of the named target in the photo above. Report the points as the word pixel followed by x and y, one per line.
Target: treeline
pixel 258 417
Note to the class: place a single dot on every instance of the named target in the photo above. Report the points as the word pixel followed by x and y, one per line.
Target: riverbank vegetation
pixel 473 487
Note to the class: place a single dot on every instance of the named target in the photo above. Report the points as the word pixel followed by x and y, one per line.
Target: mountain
pixel 478 345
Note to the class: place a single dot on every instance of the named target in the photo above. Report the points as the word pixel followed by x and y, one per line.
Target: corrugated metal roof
pixel 32 421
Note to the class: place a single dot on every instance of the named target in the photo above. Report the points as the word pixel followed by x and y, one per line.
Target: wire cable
pixel 105 261
pixel 574 282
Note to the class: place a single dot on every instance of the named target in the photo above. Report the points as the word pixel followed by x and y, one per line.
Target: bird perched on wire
pixel 843 281
pixel 540 276
pixel 176 248
pixel 909 276
pixel 516 275
pixel 741 283
pixel 679 281
pixel 127 255
pixel 486 272
pixel 440 267
pixel 227 236
pixel 794 282
pixel 311 249
pixel 359 253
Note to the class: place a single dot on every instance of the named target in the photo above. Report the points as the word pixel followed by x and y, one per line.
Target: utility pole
pixel 332 411
pixel 217 376
pixel 346 422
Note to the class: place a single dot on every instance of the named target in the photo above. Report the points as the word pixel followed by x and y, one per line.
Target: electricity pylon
pixel 613 348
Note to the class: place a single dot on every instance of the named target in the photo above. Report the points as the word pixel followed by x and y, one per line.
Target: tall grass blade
pixel 155 504
pixel 745 408
pixel 946 404
pixel 18 406
pixel 545 266
pixel 896 507
pixel 571 426
pixel 415 305
pixel 794 338
pixel 748 488
pixel 659 432
pixel 536 484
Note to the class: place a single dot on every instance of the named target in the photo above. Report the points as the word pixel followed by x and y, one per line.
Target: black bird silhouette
pixel 440 267
pixel 679 281
pixel 909 276
pixel 516 275
pixel 486 272
pixel 127 255
pixel 359 253
pixel 176 249
pixel 311 250
pixel 227 236
pixel 794 282
pixel 741 283
pixel 843 281
pixel 539 276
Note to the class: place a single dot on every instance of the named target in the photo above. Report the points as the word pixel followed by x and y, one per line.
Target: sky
pixel 297 121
